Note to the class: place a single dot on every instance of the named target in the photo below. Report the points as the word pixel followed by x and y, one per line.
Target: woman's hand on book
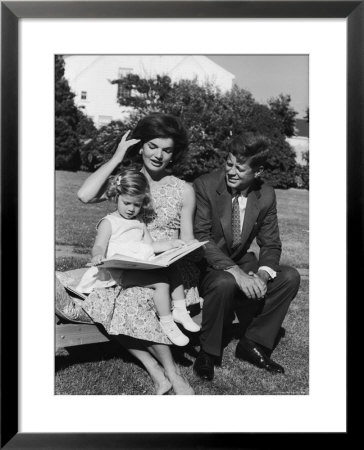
pixel 96 260
pixel 191 241
pixel 177 243
pixel 164 245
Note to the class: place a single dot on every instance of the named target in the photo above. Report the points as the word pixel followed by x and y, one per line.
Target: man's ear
pixel 259 171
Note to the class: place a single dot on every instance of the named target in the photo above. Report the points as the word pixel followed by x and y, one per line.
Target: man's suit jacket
pixel 213 222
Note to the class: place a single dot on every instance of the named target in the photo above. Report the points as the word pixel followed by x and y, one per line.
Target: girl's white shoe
pixel 182 316
pixel 174 333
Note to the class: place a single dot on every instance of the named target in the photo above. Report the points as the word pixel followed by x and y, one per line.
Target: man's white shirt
pixel 242 207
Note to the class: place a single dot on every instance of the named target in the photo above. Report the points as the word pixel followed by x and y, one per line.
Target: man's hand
pixel 263 275
pixel 262 278
pixel 252 286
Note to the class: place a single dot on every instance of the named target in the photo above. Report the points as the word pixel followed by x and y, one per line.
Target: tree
pixel 102 146
pixel 307 115
pixel 85 127
pixel 281 108
pixel 67 143
pixel 281 162
pixel 303 171
pixel 87 133
pixel 142 94
pixel 200 108
pixel 212 118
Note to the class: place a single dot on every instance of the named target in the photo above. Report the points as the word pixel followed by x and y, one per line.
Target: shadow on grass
pixel 104 351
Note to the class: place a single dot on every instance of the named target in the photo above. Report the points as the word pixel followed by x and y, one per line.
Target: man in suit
pixel 233 208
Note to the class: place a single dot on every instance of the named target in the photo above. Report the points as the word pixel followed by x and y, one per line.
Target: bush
pixel 103 145
pixel 67 143
pixel 211 117
pixel 67 146
pixel 72 126
pixel 302 176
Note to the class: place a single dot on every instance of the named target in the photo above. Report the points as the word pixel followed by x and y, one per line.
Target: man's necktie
pixel 235 221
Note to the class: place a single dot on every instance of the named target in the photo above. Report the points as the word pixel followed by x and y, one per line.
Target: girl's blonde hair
pixel 130 181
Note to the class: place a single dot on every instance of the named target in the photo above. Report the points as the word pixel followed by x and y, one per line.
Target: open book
pixel 164 259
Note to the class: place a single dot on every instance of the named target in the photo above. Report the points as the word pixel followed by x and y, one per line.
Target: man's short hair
pixel 250 148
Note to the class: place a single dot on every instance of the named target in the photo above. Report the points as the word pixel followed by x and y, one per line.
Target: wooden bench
pixel 71 334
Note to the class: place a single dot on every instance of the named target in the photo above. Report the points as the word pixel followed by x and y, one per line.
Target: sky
pixel 268 76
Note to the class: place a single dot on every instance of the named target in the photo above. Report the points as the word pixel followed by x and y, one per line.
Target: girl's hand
pixel 123 147
pixel 96 260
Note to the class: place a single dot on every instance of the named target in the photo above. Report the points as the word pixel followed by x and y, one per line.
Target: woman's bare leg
pixel 163 353
pixel 140 351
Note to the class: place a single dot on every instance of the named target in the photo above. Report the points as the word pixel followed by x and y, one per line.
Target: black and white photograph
pixel 165 231
pixel 181 224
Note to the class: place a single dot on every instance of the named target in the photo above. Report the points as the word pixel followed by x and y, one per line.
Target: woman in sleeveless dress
pixel 129 314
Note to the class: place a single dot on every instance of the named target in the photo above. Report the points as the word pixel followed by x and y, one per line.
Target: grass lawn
pixel 106 369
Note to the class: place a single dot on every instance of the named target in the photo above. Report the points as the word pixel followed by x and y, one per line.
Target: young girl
pixel 124 232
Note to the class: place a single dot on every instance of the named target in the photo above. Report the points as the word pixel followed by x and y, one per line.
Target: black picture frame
pixel 11 12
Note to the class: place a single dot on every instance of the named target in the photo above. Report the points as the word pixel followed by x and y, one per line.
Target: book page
pixel 162 260
pixel 174 254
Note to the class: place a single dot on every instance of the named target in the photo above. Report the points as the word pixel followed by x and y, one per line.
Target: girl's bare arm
pixel 98 251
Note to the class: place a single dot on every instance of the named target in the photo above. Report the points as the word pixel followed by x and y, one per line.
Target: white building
pixel 300 141
pixel 89 77
pixel 300 145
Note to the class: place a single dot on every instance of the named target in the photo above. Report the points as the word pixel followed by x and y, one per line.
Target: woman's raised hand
pixel 123 146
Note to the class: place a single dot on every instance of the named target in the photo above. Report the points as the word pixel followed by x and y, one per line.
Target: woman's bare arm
pixel 187 213
pixel 161 246
pixel 93 188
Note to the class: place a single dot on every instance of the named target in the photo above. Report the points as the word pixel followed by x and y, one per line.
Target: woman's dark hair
pixel 130 181
pixel 250 148
pixel 159 125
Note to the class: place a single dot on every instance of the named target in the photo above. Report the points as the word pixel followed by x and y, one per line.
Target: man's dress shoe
pixel 204 366
pixel 253 353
